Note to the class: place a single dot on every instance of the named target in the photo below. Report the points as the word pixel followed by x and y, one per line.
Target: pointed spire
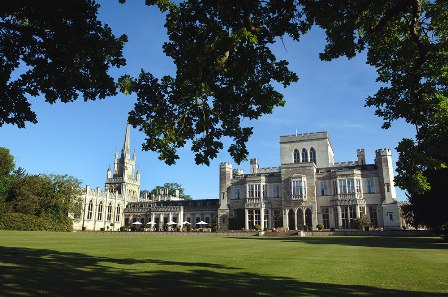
pixel 127 141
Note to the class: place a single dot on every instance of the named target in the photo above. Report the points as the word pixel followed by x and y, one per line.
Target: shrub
pixel 165 227
pixel 305 228
pixel 25 222
pixel 362 222
pixel 332 229
pixel 320 226
pixel 188 228
pixel 257 227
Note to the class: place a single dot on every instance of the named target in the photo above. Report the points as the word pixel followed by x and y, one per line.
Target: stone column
pixel 161 221
pixel 339 217
pixel 181 218
pixel 246 218
pixel 262 218
pixel 269 218
pixel 170 219
pixel 153 219
pixel 295 219
pixel 358 213
pixel 304 216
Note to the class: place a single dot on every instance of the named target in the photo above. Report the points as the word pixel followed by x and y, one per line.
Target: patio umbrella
pixel 136 223
pixel 150 223
pixel 186 223
pixel 201 223
pixel 171 223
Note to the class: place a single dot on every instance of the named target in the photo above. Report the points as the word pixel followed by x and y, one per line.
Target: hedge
pixel 24 222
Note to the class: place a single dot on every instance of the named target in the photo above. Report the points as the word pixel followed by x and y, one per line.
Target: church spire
pixel 127 142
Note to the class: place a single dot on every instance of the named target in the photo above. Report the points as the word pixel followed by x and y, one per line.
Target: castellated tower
pixel 225 177
pixel 124 180
pixel 383 159
pixel 361 156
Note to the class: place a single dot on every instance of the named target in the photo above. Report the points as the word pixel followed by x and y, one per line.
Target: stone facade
pixel 309 188
pixel 103 210
pixel 120 203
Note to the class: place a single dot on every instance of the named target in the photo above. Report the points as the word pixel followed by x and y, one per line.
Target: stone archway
pixel 291 222
pixel 309 218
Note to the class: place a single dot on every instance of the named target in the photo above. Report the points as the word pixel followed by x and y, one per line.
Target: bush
pixel 332 229
pixel 305 228
pixel 25 222
pixel 257 227
pixel 320 226
pixel 362 222
pixel 188 228
pixel 165 227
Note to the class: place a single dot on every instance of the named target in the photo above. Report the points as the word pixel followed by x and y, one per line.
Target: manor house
pixel 307 188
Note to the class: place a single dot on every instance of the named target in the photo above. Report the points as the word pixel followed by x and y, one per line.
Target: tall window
pixel 358 185
pixel 100 211
pixel 89 210
pixel 254 191
pixel 373 215
pixel 371 185
pixel 299 188
pixel 109 212
pixel 348 214
pixel 237 193
pixel 296 156
pixel 304 155
pixel 253 218
pixel 326 217
pixel 342 186
pixel 323 188
pixel 347 185
pixel 276 190
pixel 117 215
pixel 313 155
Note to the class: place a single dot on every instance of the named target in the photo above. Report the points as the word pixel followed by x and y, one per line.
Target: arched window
pixel 313 155
pixel 89 210
pixel 109 212
pixel 117 215
pixel 304 155
pixel 296 156
pixel 99 216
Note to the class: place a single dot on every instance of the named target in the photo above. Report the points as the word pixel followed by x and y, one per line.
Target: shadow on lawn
pixel 367 241
pixel 31 272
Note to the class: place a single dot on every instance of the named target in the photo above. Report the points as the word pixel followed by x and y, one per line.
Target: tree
pixel 7 164
pixel 60 50
pixel 225 72
pixel 52 197
pixel 6 167
pixel 430 209
pixel 172 187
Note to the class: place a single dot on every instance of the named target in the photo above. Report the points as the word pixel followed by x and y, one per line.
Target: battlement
pixel 360 151
pixel 347 163
pixel 238 171
pixel 383 152
pixel 225 164
pixel 304 136
pixel 269 169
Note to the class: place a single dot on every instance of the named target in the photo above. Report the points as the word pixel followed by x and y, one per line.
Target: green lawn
pixel 130 264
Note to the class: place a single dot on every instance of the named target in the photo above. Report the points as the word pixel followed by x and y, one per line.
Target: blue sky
pixel 80 138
